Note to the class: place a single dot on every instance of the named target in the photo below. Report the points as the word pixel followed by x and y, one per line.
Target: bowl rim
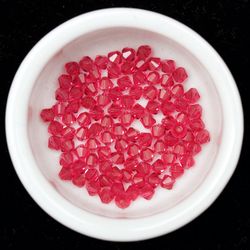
pixel 91 224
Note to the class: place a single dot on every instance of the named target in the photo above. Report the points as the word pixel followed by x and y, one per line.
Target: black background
pixel 225 225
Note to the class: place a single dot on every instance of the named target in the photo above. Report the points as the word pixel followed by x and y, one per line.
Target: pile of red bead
pixel 91 124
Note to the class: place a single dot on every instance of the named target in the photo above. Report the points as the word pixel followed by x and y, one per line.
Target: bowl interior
pixel 101 42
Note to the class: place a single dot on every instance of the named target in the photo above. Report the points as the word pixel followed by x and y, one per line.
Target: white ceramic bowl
pixel 97 33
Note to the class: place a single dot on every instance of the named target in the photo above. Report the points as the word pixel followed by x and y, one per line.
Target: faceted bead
pixel 62 95
pixel 164 95
pixel 47 115
pixel 168 66
pixel 106 137
pixel 144 52
pixel 128 68
pixel 132 134
pixel 88 102
pixel 153 77
pixel 115 57
pixel 124 82
pixel 73 107
pixel 166 81
pixel 103 100
pixel 193 148
pixel 179 130
pixel 176 170
pixel 192 95
pixel 72 68
pixel 180 104
pixel 105 165
pixel 189 137
pixel 77 168
pixel 92 143
pixel 67 145
pixel 79 181
pixel 182 118
pixel 128 54
pixel 54 142
pixel 68 119
pixel 159 166
pixel 126 175
pixel 101 62
pixel 68 133
pixel 121 145
pixel 143 168
pixel 154 63
pixel 147 154
pixel 117 188
pixel 114 70
pixel 122 200
pixel 114 110
pixel 167 107
pixel 194 111
pixel 177 90
pixel 127 102
pixel 139 180
pixel 168 158
pixel 93 187
pixel 139 77
pixel 167 182
pixel 94 130
pixel 159 146
pixel 65 81
pixel 168 122
pixel 147 120
pixel 145 139
pixel 84 119
pixel 179 149
pixel 158 130
pixel 86 63
pixel 106 83
pixel 154 180
pixel 153 107
pixel 147 192
pixel 115 175
pixel 78 80
pixel 132 192
pixel 126 119
pixel 91 160
pixel 150 92
pixel 118 129
pixel 105 195
pixel 135 92
pixel 75 93
pixel 202 136
pixel 80 152
pixel 55 128
pixel 59 109
pixel 96 113
pixel 91 174
pixel 180 75
pixel 104 181
pixel 170 140
pixel 91 89
pixel 187 161
pixel 137 111
pixel 107 121
pixel 130 163
pixel 81 133
pixel 65 174
pixel 117 158
pixel 197 125
pixel 115 93
pixel 133 150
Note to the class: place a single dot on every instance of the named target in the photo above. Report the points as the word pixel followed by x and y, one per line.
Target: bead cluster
pixel 91 124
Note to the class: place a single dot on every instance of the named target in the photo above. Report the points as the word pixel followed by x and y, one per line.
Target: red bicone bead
pixel 68 133
pixel 115 93
pixel 107 121
pixel 79 181
pixel 168 158
pixel 130 163
pixel 91 160
pixel 126 175
pixel 177 90
pixel 154 179
pixel 135 92
pixel 167 107
pixel 170 140
pixel 168 122
pixel 194 111
pixel 139 77
pixel 115 57
pixel 92 143
pixel 94 130
pixel 91 174
pixel 75 93
pixel 144 52
pixel 189 137
pixel 106 195
pixel 117 188
pixel 47 115
pixel 65 81
pixel 68 119
pixel 106 137
pixel 176 170
pixel 147 192
pixel 127 102
pixel 117 158
pixel 105 181
pixel 202 136
pixel 143 168
pixel 67 145
pixel 138 180
pixel 59 108
pixel 167 81
pixel 103 100
pixel 118 129
pixel 167 182
pixel 128 67
pixel 65 174
pixel 93 187
pixel 72 68
pixel 124 82
pixel 122 200
pixel 115 175
pixel 128 54
pixel 179 149
pixel 180 104
pixel 193 148
pixel 96 112
pixel 153 77
pixel 73 107
pixel 126 119
pixel 101 62
pixel 159 146
pixel 179 130
pixel 121 145
pixel 137 111
pixel 180 75
pixel 132 134
pixel 147 154
pixel 147 120
pixel 84 119
pixel 158 130
pixel 197 125
pixel 106 83
pixel 81 133
pixel 159 166
pixel 153 107
pixel 114 110
pixel 104 153
pixel 192 95
pixel 114 70
pixel 62 95
pixel 54 142
pixel 164 94
pixel 133 150
pixel 132 192
pixel 55 128
pixel 91 89
pixel 150 92
pixel 105 165
pixel 187 161
pixel 182 118
pixel 88 102
pixel 154 63
pixel 145 139
pixel 168 66
pixel 86 63
pixel 81 152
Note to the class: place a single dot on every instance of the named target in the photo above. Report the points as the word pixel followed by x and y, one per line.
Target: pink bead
pixel 68 133
pixel 189 137
pixel 91 174
pixel 180 75
pixel 193 148
pixel 167 182
pixel 197 125
pixel 144 52
pixel 154 63
pixel 176 170
pixel 105 195
pixel 135 92
pixel 73 107
pixel 117 188
pixel 194 111
pixel 192 95
pixel 91 160
pixel 167 81
pixel 75 93
pixel 133 150
pixel 68 119
pixel 153 77
pixel 117 158
pixel 84 119
pixel 159 146
pixel 59 109
pixel 132 135
pixel 118 129
pixel 93 187
pixel 91 89
pixel 143 168
pixel 130 163
pixel 177 90
pixel 153 107
pixel 147 154
pixel 182 118
pixel 79 181
pixel 114 110
pixel 202 136
pixel 137 111
pixel 55 128
pixel 164 94
pixel 65 81
pixel 114 70
pixel 147 120
pixel 65 174
pixel 101 62
pixel 122 200
pixel 54 142
pixel 126 175
pixel 115 175
pixel 147 192
pixel 103 100
pixel 104 181
pixel 80 152
pixel 92 144
pixel 88 102
pixel 179 130
pixel 132 192
pixel 62 95
pixel 128 67
pixel 168 158
pixel 86 63
pixel 167 107
pixel 96 113
pixel 170 140
pixel 180 104
pixel 105 166
pixel 77 168
pixel 154 180
pixel 179 149
pixel 168 66
pixel 127 102
pixel 124 82
pixel 150 92
pixel 47 115
pixel 121 145
pixel 158 130
pixel 159 166
pixel 115 93
pixel 115 57
pixel 126 119
pixel 139 77
pixel 105 83
pixel 128 54
pixel 139 180
pixel 187 161
pixel 72 68
pixel 106 137
pixel 67 145
pixel 81 134
pixel 107 121
pixel 168 122
pixel 145 139
pixel 94 130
